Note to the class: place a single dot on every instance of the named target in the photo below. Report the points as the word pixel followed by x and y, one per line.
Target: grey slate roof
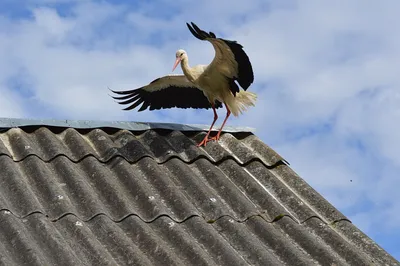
pixel 109 196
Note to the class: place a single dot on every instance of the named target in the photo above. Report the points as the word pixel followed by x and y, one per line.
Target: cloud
pixel 325 71
pixel 71 78
pixel 10 105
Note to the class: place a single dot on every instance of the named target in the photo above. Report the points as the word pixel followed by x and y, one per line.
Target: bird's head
pixel 180 55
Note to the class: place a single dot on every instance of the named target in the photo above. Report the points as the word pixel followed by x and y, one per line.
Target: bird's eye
pixel 181 54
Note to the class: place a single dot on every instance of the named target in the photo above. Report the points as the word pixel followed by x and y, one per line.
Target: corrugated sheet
pixel 107 197
pixel 101 241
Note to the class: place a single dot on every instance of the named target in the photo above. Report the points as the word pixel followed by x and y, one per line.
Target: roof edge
pixel 6 123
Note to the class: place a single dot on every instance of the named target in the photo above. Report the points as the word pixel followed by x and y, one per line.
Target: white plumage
pixel 201 86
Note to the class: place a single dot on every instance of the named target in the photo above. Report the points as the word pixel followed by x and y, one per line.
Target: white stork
pixel 201 86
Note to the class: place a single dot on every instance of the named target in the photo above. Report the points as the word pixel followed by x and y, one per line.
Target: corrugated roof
pixel 111 196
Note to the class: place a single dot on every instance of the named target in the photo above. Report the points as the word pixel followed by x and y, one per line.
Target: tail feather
pixel 239 103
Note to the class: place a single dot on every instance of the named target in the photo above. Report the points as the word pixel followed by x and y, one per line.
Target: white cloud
pixel 51 23
pixel 10 105
pixel 67 78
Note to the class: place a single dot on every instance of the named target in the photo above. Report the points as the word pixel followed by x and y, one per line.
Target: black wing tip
pixel 134 91
pixel 199 33
pixel 116 92
pixel 120 92
pixel 194 32
pixel 129 97
pixel 112 90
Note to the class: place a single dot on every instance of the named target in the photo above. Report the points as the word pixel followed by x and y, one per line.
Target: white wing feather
pixel 224 60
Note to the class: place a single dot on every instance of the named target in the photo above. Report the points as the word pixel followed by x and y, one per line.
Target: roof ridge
pixel 6 123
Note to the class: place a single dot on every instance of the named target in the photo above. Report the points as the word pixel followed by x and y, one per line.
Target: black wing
pixel 245 75
pixel 165 92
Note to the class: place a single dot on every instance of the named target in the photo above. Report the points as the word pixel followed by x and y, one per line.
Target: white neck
pixel 187 70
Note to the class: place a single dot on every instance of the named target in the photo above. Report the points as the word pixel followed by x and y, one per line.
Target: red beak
pixel 177 61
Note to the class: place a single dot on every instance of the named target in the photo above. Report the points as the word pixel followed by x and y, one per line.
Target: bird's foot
pixel 216 137
pixel 204 141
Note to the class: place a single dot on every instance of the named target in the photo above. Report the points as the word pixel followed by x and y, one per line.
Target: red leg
pixel 206 139
pixel 228 113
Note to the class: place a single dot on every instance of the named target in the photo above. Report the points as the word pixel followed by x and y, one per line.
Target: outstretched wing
pixel 230 59
pixel 165 92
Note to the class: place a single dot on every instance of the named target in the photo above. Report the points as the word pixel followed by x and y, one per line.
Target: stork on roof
pixel 201 86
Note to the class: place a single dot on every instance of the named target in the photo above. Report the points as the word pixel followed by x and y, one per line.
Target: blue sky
pixel 326 74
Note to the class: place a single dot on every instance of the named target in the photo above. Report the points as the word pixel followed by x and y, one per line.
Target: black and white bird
pixel 201 86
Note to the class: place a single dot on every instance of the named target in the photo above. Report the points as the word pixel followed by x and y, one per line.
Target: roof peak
pixel 128 125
